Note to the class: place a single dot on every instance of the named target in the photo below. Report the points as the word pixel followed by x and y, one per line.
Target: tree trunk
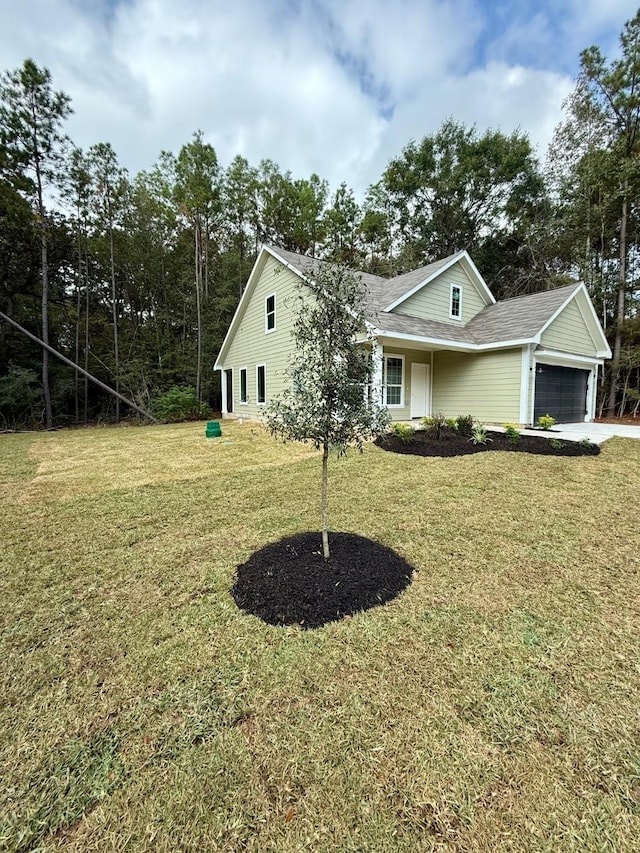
pixel 114 312
pixel 45 324
pixel 325 488
pixel 86 337
pixel 198 309
pixel 622 289
pixel 78 313
pixel 44 271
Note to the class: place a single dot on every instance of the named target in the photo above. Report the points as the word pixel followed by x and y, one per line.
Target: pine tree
pixel 31 119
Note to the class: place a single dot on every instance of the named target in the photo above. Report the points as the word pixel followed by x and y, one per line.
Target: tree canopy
pixel 136 277
pixel 330 401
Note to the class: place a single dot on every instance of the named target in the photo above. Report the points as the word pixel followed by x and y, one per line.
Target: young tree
pixel 31 118
pixel 328 402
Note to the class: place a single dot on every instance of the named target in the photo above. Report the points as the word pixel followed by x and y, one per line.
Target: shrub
pixel 479 434
pixel 21 401
pixel 436 425
pixel 465 424
pixel 556 443
pixel 452 424
pixel 586 442
pixel 179 404
pixel 512 433
pixel 405 432
pixel 546 421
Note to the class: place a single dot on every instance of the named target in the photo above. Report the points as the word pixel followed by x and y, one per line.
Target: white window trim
pixel 453 316
pixel 399 405
pixel 242 402
pixel 261 402
pixel 268 331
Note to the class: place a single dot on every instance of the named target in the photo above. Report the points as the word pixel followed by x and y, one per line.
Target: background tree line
pixel 136 277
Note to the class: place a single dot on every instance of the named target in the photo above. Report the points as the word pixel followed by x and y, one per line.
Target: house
pixel 441 343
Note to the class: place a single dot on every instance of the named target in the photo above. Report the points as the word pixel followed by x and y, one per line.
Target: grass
pixel 494 706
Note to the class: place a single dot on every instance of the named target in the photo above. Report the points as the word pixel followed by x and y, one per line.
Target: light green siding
pixel 432 302
pixel 403 413
pixel 252 346
pixel 569 333
pixel 486 386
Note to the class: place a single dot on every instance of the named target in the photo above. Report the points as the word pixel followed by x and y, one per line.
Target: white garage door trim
pixel 566 360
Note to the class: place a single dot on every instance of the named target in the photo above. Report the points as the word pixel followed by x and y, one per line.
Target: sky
pixel 335 87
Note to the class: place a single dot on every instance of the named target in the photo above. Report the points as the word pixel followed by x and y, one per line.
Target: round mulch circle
pixel 289 583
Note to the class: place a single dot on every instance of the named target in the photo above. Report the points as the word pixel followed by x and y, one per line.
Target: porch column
pixel 592 390
pixel 377 352
pixel 223 387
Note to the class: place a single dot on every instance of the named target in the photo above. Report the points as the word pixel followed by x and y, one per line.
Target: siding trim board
pixel 525 378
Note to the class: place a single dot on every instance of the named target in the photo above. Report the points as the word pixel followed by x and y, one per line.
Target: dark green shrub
pixel 465 424
pixel 179 404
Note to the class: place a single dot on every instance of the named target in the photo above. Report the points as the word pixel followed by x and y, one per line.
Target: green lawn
pixel 494 706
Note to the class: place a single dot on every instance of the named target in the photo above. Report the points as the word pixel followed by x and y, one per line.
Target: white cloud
pixel 333 86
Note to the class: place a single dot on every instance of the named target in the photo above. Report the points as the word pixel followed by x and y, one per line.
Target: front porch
pixel 419 381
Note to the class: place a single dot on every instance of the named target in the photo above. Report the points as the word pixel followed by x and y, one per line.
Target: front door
pixel 420 382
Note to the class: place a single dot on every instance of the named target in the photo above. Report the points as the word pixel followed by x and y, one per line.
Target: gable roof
pixel 404 286
pixel 519 317
pixel 519 320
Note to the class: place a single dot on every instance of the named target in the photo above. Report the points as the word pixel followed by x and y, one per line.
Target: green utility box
pixel 213 429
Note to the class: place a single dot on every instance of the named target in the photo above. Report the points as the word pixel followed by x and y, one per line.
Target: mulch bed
pixel 289 583
pixel 452 444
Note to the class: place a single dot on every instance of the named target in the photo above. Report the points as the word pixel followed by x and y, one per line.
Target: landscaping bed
pixel 289 583
pixel 451 443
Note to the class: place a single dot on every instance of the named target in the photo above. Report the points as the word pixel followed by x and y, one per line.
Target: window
pixel 393 380
pixel 243 386
pixel 270 313
pixel 261 383
pixel 455 306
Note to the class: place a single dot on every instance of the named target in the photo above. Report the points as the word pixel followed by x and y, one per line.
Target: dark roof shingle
pixel 520 318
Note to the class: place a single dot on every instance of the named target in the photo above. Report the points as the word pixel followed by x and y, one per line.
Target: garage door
pixel 560 392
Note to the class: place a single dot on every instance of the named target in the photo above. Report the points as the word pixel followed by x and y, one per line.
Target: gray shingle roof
pixel 512 319
pixel 305 265
pixel 517 318
pixel 386 321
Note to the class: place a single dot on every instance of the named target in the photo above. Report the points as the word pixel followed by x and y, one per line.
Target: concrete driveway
pixel 597 433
